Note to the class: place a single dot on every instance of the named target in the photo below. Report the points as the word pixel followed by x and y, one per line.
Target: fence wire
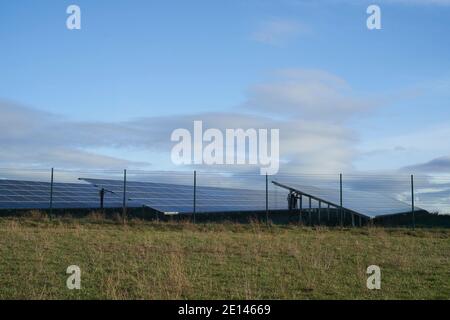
pixel 202 191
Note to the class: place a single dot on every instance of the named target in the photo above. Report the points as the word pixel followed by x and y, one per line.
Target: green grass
pixel 151 260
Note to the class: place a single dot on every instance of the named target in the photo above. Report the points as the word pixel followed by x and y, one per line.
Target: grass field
pixel 151 260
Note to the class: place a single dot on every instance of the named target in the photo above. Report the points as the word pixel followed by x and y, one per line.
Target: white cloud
pixel 420 144
pixel 437 165
pixel 309 94
pixel 309 107
pixel 279 32
pixel 48 142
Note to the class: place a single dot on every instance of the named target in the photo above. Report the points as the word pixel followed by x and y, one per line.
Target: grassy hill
pixel 168 260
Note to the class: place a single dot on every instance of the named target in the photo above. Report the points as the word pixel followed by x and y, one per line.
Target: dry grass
pixel 157 260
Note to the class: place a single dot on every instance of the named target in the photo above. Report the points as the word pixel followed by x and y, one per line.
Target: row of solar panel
pixel 369 204
pixel 17 194
pixel 179 198
pixel 163 197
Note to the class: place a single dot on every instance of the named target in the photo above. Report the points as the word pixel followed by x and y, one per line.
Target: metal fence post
pixel 320 209
pixel 328 213
pixel 267 199
pixel 195 194
pixel 124 204
pixel 309 212
pixel 412 203
pixel 300 209
pixel 340 199
pixel 51 193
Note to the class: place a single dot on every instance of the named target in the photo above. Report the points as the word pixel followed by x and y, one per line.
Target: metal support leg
pixel 51 194
pixel 309 212
pixel 328 213
pixel 124 200
pixel 300 209
pixel 195 196
pixel 320 209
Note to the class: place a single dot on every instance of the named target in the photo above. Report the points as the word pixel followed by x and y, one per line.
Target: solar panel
pixel 365 203
pixel 173 198
pixel 18 194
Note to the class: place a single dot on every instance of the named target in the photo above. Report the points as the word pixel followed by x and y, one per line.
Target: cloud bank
pixel 313 134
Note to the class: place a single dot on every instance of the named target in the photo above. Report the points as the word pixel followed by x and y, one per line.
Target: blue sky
pixel 140 68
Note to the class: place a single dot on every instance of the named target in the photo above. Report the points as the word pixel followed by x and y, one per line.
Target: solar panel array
pixel 17 194
pixel 173 198
pixel 176 198
pixel 369 204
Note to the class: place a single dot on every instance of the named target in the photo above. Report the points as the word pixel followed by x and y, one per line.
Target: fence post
pixel 267 199
pixel 412 203
pixel 195 194
pixel 340 199
pixel 51 193
pixel 124 204
pixel 320 209
pixel 309 212
pixel 300 210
